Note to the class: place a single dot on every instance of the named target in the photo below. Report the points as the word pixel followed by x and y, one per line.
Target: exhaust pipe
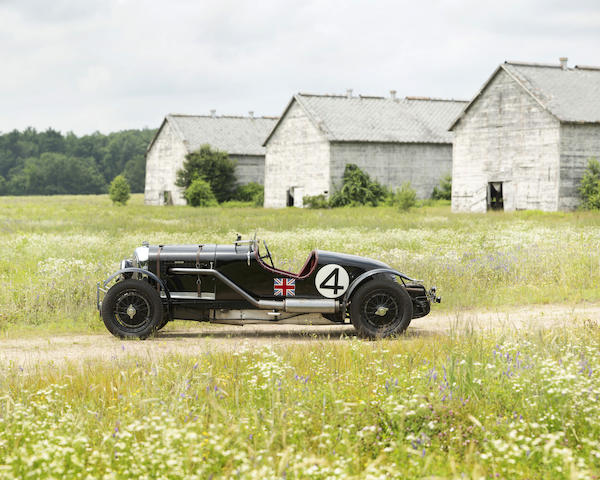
pixel 296 305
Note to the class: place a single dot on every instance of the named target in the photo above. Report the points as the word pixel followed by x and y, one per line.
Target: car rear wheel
pixel 380 308
pixel 132 309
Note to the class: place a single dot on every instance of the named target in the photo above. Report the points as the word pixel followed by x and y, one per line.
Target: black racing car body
pixel 237 284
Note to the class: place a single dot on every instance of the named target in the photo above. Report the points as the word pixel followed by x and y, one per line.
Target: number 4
pixel 335 275
pixel 332 280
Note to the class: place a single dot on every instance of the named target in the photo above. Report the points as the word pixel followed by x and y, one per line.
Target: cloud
pixel 108 65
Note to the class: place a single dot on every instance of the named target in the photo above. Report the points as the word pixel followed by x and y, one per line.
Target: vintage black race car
pixel 237 284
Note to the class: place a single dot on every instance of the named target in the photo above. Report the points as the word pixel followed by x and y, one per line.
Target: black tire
pixel 145 317
pixel 395 314
pixel 164 320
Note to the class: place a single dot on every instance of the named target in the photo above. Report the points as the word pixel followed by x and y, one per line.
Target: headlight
pixel 140 257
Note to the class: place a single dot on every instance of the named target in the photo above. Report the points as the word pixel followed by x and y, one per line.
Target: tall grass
pixel 55 249
pixel 498 404
pixel 494 405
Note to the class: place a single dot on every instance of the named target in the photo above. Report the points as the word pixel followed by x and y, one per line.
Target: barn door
pixel 495 200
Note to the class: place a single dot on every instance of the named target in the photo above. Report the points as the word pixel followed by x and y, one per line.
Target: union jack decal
pixel 284 287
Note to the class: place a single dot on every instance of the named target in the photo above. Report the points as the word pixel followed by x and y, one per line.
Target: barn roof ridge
pixel 341 96
pixel 586 67
pixel 531 64
pixel 434 99
pixel 246 117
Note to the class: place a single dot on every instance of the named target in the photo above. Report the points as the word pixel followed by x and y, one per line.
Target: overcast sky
pixel 86 65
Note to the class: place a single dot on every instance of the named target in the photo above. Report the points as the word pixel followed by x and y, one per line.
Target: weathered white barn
pixel 524 140
pixel 178 135
pixel 394 140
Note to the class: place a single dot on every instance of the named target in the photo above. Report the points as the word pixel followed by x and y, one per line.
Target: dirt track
pixel 186 337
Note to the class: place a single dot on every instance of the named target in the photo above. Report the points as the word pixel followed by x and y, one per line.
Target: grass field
pixel 489 404
pixel 55 249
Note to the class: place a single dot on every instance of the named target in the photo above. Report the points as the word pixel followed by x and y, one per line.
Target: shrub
pixel 315 201
pixel 589 188
pixel 406 197
pixel 246 193
pixel 258 200
pixel 119 190
pixel 199 194
pixel 358 189
pixel 444 192
pixel 212 166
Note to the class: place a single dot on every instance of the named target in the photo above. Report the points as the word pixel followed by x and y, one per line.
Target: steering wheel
pixel 268 255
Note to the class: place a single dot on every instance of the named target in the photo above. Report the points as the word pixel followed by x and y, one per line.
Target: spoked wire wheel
pixel 132 309
pixel 380 308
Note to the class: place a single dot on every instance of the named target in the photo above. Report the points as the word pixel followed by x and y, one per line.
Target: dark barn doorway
pixel 495 200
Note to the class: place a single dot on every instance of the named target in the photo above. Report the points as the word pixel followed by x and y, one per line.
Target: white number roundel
pixel 332 281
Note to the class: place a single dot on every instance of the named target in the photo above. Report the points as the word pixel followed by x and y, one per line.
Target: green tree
pixel 116 153
pixel 51 141
pixel 213 166
pixel 119 190
pixel 248 192
pixel 589 188
pixel 135 172
pixel 358 189
pixel 199 194
pixel 57 174
pixel 405 197
pixel 444 192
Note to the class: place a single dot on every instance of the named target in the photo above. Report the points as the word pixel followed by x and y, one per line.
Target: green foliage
pixel 315 201
pixel 2 185
pixel 358 189
pixel 248 192
pixel 405 197
pixel 57 174
pixel 199 194
pixel 258 200
pixel 444 191
pixel 589 188
pixel 119 190
pixel 111 155
pixel 213 166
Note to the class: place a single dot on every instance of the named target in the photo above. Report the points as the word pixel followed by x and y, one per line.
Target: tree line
pixel 50 163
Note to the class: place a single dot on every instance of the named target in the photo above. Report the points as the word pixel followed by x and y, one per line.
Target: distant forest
pixel 50 163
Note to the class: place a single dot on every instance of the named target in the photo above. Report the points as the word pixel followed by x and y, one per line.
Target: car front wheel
pixel 132 309
pixel 380 308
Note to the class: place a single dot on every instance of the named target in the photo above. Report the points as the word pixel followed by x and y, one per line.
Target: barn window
pixel 495 201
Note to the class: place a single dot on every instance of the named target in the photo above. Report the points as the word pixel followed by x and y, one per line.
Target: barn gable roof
pixel 572 95
pixel 378 119
pixel 234 135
